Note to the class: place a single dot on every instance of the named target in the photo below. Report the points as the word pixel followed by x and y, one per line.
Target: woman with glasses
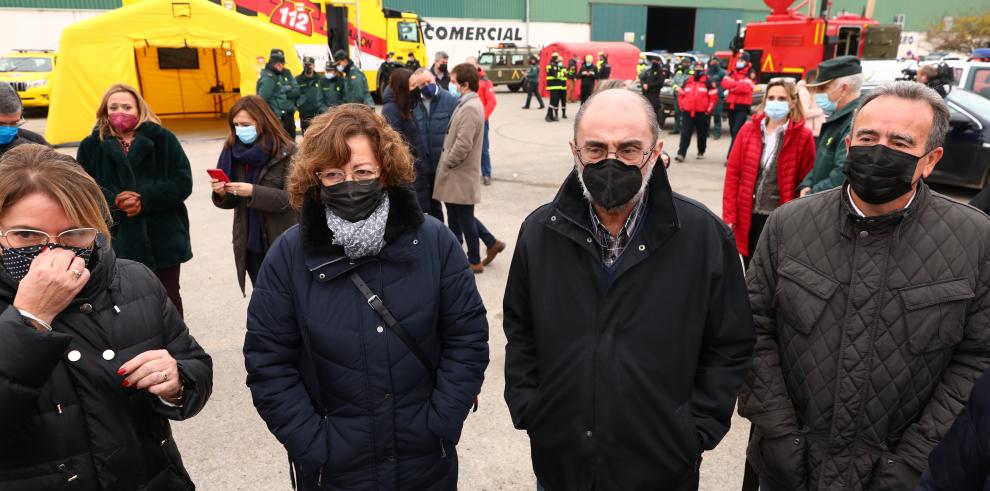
pixel 773 152
pixel 366 340
pixel 257 157
pixel 94 358
pixel 145 177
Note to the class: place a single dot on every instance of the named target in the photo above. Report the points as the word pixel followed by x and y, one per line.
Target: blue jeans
pixel 486 159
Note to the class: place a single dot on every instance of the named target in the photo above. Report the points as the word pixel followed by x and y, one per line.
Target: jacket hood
pixel 404 215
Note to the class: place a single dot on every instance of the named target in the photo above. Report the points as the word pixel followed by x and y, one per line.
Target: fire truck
pixel 320 27
pixel 791 43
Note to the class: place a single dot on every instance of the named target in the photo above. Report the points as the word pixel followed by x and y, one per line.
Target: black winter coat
pixel 23 136
pixel 156 167
pixel 353 407
pixel 622 385
pixel 870 335
pixel 406 127
pixel 961 461
pixel 62 416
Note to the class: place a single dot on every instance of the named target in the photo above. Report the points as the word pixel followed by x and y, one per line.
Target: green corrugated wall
pixel 560 11
pixel 464 9
pixel 611 22
pixel 61 4
pixel 721 23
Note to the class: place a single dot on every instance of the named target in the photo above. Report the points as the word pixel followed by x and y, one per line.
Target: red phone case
pixel 218 174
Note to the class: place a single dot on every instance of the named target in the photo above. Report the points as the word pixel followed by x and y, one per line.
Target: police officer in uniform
pixel 329 86
pixel 643 65
pixel 385 71
pixel 279 89
pixel 311 101
pixel 652 80
pixel 556 85
pixel 352 81
pixel 604 69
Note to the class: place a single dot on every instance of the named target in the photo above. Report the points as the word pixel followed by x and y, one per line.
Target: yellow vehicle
pixel 321 27
pixel 28 71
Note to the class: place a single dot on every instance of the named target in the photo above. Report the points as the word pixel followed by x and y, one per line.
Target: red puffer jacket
pixel 794 161
pixel 740 87
pixel 486 91
pixel 698 96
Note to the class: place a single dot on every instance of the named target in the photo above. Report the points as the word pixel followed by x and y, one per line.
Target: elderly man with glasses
pixel 626 316
pixel 11 120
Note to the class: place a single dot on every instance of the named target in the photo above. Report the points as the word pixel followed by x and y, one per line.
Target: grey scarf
pixel 360 239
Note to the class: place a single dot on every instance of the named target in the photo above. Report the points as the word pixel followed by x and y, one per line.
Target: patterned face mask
pixel 17 260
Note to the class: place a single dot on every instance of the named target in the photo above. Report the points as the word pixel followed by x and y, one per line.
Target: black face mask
pixel 353 200
pixel 612 183
pixel 697 74
pixel 17 260
pixel 443 67
pixel 879 174
pixel 414 95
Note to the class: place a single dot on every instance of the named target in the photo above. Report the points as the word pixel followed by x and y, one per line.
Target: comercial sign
pixel 473 32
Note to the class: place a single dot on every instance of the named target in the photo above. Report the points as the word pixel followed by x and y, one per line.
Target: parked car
pixel 29 71
pixel 966 161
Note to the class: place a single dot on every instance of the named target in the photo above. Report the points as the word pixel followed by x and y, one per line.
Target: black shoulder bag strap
pixel 379 307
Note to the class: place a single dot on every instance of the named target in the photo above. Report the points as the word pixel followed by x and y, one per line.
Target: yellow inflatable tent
pixel 189 58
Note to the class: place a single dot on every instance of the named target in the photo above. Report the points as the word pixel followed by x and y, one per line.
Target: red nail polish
pixel 121 371
pixel 126 384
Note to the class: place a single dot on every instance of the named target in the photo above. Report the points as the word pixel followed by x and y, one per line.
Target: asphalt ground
pixel 228 447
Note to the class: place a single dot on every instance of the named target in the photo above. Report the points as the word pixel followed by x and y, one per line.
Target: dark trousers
pixel 461 220
pixel 586 90
pixel 690 124
pixel 529 96
pixel 557 99
pixel 737 118
pixel 304 120
pixel 654 98
pixel 717 118
pixel 289 123
pixel 424 195
pixel 677 113
pixel 170 280
pixel 252 262
pixel 755 230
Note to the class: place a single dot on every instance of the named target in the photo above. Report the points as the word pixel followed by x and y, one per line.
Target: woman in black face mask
pixel 372 304
pixel 91 349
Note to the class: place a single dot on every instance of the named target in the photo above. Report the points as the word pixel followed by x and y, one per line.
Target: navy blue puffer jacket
pixel 961 461
pixel 353 406
pixel 433 124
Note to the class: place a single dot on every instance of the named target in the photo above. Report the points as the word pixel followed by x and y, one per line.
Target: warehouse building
pixel 465 27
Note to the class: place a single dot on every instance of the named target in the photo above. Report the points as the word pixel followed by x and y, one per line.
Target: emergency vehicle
pixel 321 27
pixel 791 43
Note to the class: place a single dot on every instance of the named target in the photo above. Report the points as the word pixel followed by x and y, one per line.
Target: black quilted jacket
pixel 870 335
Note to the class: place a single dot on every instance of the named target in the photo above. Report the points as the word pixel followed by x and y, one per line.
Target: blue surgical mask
pixel 826 104
pixel 7 134
pixel 246 134
pixel 777 110
pixel 454 90
pixel 740 65
pixel 429 91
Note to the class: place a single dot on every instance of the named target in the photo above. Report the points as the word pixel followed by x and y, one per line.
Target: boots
pixel 563 112
pixel 549 117
pixel 555 118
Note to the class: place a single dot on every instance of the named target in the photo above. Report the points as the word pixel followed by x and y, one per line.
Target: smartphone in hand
pixel 218 174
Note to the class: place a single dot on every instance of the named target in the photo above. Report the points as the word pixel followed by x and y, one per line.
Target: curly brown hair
pixel 325 147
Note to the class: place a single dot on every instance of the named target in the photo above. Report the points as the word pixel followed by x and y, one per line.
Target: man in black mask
pixel 626 316
pixel 871 303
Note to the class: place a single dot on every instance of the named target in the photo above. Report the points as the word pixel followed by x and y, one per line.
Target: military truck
pixel 507 64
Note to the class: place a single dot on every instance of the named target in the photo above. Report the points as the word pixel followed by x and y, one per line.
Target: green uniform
pixel 311 101
pixel 279 90
pixel 716 77
pixel 830 150
pixel 330 90
pixel 680 78
pixel 533 76
pixel 354 86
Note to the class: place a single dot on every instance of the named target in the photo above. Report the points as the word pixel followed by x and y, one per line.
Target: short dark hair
pixel 467 73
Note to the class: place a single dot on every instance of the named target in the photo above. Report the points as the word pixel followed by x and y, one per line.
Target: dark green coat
pixel 311 100
pixel 279 90
pixel 270 199
pixel 830 150
pixel 156 167
pixel 354 86
pixel 330 90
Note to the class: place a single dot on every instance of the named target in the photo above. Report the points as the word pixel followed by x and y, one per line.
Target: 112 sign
pixel 287 16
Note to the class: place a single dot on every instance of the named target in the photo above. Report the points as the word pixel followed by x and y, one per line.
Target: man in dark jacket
pixel 279 89
pixel 588 73
pixel 11 119
pixel 962 459
pixel 617 393
pixel 432 115
pixel 352 82
pixel 871 303
pixel 439 69
pixel 311 101
pixel 716 73
pixel 652 80
pixel 532 82
pixel 838 94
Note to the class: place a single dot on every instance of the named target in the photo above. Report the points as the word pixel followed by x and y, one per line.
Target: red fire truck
pixel 792 43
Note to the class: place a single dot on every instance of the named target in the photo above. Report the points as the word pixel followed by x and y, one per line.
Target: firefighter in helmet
pixel 557 86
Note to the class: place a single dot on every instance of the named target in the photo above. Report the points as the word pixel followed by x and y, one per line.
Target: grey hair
pixel 913 91
pixel 651 116
pixel 441 55
pixel 10 103
pixel 854 81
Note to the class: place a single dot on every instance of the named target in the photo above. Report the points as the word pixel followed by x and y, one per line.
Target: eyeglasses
pixel 15 124
pixel 25 237
pixel 337 176
pixel 591 155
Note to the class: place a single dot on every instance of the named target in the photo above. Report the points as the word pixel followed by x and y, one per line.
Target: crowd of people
pixel 851 334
